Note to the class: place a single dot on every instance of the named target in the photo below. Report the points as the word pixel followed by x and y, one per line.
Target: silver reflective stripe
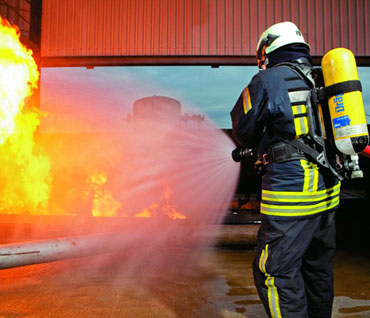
pixel 263 259
pixel 300 109
pixel 300 122
pixel 303 125
pixel 272 292
pixel 288 196
pixel 311 174
pixel 298 96
pixel 247 105
pixel 298 210
pixel 273 297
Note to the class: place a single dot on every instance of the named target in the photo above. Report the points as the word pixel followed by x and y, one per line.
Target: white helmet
pixel 277 36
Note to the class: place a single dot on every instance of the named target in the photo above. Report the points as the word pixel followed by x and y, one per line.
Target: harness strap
pixel 282 152
pixel 338 88
pixel 318 157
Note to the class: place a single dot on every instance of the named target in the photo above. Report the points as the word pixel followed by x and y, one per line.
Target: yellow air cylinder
pixel 347 109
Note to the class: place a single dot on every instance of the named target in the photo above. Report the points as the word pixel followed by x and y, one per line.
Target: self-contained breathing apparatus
pixel 336 119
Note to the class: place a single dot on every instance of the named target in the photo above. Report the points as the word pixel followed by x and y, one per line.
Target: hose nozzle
pixel 239 153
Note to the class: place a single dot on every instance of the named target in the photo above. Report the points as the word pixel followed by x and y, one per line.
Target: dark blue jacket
pixel 271 108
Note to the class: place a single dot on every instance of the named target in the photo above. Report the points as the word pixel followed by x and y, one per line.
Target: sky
pixel 99 99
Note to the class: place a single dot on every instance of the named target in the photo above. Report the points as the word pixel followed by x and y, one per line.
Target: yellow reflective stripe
pixel 299 207
pixel 300 123
pixel 263 259
pixel 315 176
pixel 273 297
pixel 300 194
pixel 311 176
pixel 301 126
pixel 272 292
pixel 316 198
pixel 306 171
pixel 247 105
pixel 298 210
pixel 297 124
pixel 249 98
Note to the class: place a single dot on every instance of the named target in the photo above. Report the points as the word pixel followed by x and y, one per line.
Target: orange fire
pixel 148 212
pixel 168 209
pixel 25 178
pixel 104 204
pixel 174 215
pixel 165 208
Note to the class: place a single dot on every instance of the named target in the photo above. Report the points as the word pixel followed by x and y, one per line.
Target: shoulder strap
pixel 324 93
pixel 320 157
pixel 310 82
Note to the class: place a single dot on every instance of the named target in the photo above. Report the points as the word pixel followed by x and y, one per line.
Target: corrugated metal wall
pixel 86 28
pixel 17 12
pixel 26 15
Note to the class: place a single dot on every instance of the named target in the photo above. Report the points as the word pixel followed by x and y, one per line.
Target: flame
pixel 173 214
pixel 163 208
pixel 168 209
pixel 104 204
pixel 25 177
pixel 148 212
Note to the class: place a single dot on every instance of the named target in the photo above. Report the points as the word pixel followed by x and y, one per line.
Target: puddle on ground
pixel 347 307
pixel 222 288
pixel 352 284
pixel 234 284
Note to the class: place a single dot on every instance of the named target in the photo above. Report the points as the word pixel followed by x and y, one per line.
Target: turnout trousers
pixel 292 268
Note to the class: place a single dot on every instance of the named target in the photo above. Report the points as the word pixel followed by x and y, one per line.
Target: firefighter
pixel 296 240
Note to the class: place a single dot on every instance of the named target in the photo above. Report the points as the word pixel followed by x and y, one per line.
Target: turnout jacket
pixel 270 109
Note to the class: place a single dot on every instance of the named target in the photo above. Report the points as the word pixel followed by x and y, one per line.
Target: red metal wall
pixel 195 28
pixel 17 12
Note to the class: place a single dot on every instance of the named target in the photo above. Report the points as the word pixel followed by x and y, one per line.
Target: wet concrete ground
pixel 221 287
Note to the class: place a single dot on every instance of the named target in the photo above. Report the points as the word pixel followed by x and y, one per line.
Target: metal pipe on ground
pixel 50 250
pixel 43 251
